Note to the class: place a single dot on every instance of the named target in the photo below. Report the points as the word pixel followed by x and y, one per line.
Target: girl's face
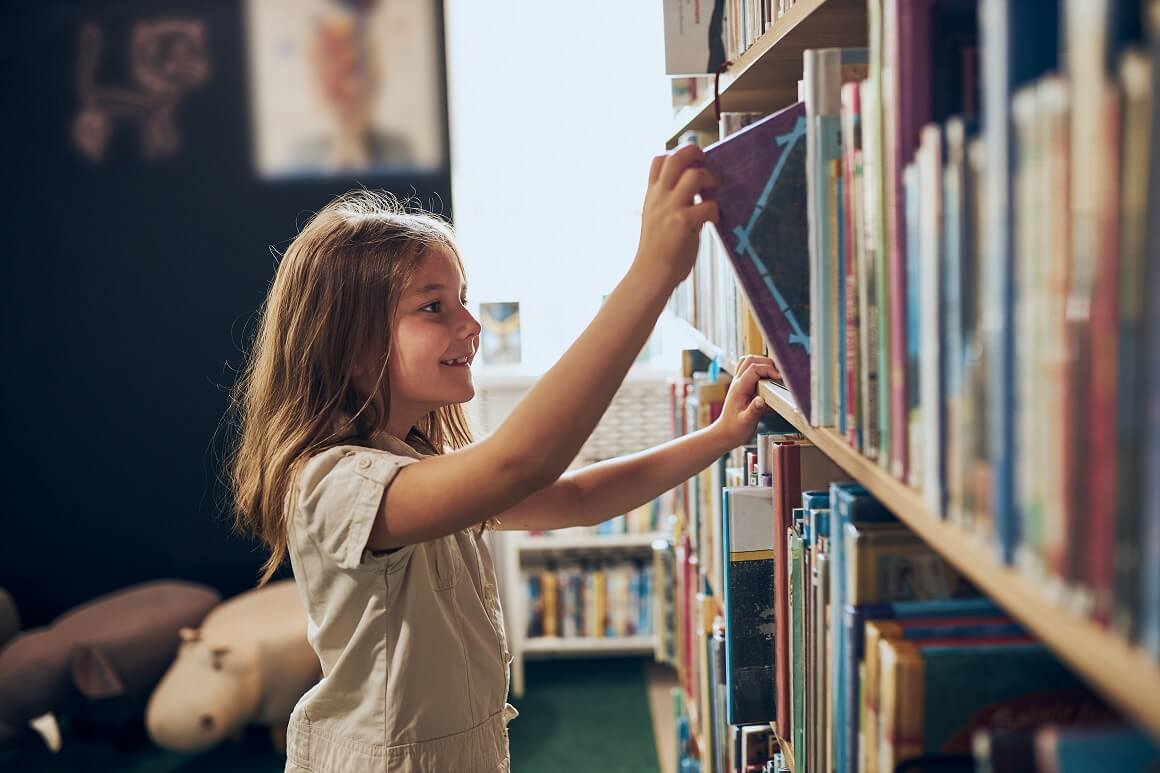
pixel 436 339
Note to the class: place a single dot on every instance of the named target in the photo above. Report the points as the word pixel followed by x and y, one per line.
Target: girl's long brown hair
pixel 333 298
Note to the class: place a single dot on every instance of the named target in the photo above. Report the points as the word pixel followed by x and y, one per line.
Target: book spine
pixel 1104 339
pixel 897 153
pixel 850 248
pixel 927 460
pixel 1150 576
pixel 911 310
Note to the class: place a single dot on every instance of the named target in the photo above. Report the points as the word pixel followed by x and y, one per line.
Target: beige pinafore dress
pixel 414 655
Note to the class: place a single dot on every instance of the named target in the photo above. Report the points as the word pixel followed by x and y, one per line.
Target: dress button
pixel 364 463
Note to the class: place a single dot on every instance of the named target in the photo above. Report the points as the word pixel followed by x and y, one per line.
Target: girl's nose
pixel 472 327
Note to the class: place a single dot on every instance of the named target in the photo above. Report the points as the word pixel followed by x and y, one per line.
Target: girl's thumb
pixel 756 404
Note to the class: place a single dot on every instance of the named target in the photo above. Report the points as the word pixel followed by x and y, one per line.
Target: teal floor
pixel 587 715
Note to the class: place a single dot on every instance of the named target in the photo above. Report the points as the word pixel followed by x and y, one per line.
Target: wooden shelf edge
pixel 1122 673
pixel 733 80
pixel 594 542
pixel 545 645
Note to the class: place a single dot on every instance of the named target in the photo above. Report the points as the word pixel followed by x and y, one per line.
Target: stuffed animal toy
pixel 9 618
pixel 102 659
pixel 248 663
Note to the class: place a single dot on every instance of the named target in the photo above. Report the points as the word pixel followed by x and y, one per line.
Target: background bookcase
pixel 764 78
pixel 637 418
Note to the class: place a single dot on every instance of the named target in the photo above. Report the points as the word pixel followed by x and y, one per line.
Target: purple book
pixel 763 224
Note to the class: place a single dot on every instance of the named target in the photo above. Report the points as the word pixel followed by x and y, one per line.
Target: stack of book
pixel 584 599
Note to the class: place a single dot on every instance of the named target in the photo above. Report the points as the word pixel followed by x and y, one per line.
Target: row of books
pixel 649 518
pixel 803 604
pixel 700 37
pixel 984 352
pixel 965 300
pixel 590 600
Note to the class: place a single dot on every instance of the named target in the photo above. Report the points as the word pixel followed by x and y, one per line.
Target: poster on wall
pixel 340 86
pixel 500 337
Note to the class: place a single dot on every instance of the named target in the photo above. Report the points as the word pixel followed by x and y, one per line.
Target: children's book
pixel 750 630
pixel 764 226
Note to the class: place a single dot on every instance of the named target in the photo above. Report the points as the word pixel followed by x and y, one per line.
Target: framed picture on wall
pixel 500 336
pixel 340 86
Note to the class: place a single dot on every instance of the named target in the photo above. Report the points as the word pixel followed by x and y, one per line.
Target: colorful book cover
pixel 825 70
pixel 849 503
pixel 763 224
pixel 749 610
pixel 1019 43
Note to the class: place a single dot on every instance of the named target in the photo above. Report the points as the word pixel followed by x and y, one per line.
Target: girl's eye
pixel 436 306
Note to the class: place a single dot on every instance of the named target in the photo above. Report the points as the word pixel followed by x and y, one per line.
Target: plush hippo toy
pixel 99 662
pixel 9 618
pixel 248 663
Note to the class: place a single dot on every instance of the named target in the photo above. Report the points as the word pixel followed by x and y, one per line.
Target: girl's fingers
pixel 676 162
pixel 654 170
pixel 694 180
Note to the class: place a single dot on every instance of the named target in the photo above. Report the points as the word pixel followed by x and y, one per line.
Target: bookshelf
pixel 765 76
pixel 764 79
pixel 526 543
pixel 1125 675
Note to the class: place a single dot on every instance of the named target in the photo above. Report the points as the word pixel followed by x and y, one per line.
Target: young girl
pixel 354 458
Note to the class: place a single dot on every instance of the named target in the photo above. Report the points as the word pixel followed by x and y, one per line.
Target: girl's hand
pixel 743 406
pixel 671 221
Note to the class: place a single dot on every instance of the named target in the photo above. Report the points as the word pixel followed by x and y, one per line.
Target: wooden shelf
pixel 612 645
pixel 1122 673
pixel 765 77
pixel 526 543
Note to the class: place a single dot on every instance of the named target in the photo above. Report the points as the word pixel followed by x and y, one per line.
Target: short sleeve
pixel 339 492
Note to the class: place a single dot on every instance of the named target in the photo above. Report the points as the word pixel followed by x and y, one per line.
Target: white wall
pixel 556 110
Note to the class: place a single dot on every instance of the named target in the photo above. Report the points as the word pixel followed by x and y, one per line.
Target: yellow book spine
pixel 901 701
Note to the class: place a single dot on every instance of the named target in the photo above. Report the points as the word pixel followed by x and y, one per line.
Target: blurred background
pixel 162 153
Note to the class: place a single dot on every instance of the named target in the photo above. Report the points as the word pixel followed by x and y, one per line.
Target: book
pixel 990 678
pixel 849 503
pixel 1150 575
pixel 1019 43
pixel 797 641
pixel 994 628
pixel 1136 83
pixel 1082 749
pixel 909 341
pixel 764 228
pixel 852 252
pixel 927 460
pixel 797 466
pixel 825 70
pixel 750 631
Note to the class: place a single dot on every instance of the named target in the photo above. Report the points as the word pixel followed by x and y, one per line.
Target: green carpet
pixel 585 715
pixel 588 716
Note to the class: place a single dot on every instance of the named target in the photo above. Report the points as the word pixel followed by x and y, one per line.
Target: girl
pixel 354 458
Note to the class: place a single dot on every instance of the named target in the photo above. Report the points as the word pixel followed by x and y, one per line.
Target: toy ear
pixel 94 675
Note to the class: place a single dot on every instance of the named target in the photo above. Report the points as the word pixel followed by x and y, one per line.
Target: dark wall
pixel 129 289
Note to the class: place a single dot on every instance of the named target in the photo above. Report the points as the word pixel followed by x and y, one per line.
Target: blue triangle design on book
pixel 745 247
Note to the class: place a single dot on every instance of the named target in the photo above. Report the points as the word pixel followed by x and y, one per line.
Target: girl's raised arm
pixel 546 430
